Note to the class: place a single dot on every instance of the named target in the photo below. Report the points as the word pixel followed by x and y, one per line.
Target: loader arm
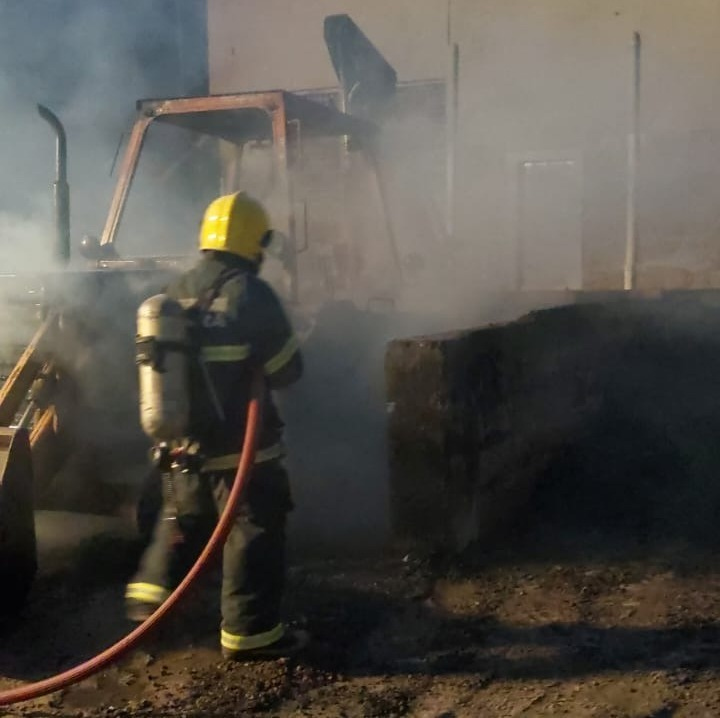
pixel 43 427
pixel 18 383
pixel 41 421
pixel 18 550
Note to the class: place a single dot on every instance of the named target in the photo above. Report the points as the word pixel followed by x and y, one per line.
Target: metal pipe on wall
pixel 451 115
pixel 631 227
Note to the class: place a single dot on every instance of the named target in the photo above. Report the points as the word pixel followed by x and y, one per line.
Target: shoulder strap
pixel 206 299
pixel 203 304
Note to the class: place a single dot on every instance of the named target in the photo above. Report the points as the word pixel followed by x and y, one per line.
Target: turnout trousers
pixel 253 562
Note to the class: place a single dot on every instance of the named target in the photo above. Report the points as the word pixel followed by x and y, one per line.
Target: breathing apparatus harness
pixel 168 347
pixel 161 361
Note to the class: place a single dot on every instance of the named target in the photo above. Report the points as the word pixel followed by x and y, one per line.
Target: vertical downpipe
pixel 61 189
pixel 631 228
pixel 451 114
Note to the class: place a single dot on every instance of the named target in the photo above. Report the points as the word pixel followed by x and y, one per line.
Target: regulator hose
pixel 216 541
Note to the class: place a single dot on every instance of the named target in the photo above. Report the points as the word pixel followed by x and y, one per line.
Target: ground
pixel 555 620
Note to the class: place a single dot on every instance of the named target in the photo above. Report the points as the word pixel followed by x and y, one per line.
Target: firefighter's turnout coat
pixel 240 324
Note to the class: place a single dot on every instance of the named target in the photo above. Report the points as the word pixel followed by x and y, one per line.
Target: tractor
pixel 70 436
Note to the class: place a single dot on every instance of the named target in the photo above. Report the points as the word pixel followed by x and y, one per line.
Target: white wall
pixel 538 78
pixel 263 44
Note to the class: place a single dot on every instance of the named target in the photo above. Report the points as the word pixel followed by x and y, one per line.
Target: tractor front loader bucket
pixel 18 556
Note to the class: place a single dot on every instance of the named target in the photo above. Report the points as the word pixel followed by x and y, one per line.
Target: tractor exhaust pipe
pixel 61 189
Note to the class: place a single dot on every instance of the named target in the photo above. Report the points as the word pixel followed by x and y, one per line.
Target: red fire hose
pixel 217 540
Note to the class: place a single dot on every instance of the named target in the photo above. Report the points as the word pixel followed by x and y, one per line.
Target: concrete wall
pixel 551 81
pixel 262 44
pixel 544 110
pixel 622 385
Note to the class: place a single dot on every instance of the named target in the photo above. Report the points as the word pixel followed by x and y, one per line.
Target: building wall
pixel 553 80
pixel 263 44
pixel 544 113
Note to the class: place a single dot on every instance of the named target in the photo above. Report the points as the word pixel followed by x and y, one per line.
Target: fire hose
pixel 216 541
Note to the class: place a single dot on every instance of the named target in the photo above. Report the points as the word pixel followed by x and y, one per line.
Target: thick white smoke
pixel 88 62
pixel 541 83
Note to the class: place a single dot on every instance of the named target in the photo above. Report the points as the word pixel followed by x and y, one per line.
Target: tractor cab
pixel 71 438
pixel 312 166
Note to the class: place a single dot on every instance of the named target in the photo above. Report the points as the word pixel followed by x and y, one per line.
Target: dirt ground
pixel 560 619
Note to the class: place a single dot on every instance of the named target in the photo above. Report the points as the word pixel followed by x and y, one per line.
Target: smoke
pixel 539 197
pixel 89 62
pixel 544 109
pixel 336 416
pixel 25 242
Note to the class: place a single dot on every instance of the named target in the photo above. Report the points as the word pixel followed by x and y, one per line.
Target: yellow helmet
pixel 236 223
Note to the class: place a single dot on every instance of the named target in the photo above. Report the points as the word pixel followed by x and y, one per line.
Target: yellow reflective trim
pixel 220 304
pixel 226 352
pixel 234 642
pixel 277 451
pixel 230 461
pixel 221 463
pixel 213 231
pixel 282 357
pixel 146 592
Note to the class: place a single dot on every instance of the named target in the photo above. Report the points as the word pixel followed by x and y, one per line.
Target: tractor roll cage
pixel 237 118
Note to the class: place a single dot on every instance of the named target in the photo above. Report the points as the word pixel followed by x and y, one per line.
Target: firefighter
pixel 241 324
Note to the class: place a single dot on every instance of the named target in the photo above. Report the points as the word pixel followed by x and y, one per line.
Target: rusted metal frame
pixel 280 141
pixel 32 410
pixel 44 425
pixel 24 372
pixel 125 178
pixel 268 101
pixel 371 153
pixel 295 155
pixel 48 450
